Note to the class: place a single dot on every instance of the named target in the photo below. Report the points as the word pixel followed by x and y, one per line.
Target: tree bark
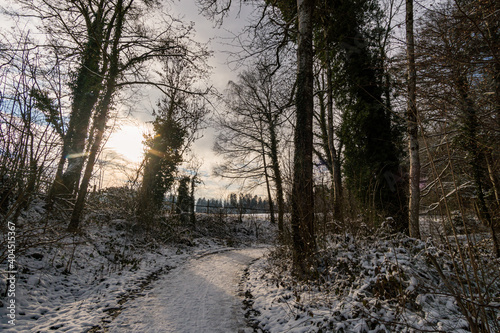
pixel 192 216
pixel 412 123
pixel 82 191
pixel 266 174
pixel 303 234
pixel 278 181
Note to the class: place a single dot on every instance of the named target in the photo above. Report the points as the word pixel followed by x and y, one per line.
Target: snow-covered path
pixel 200 296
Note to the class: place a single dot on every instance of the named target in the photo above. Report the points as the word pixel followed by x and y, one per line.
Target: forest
pixel 363 137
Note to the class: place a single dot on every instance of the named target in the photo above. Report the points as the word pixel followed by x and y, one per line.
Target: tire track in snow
pixel 199 296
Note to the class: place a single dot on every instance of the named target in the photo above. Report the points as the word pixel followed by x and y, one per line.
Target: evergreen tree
pixel 372 141
pixel 183 205
pixel 161 162
pixel 201 205
pixel 178 117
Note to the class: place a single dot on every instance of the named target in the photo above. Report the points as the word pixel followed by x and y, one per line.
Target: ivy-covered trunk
pixel 86 90
pixel 100 119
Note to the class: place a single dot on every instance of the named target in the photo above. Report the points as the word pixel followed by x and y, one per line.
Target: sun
pixel 127 141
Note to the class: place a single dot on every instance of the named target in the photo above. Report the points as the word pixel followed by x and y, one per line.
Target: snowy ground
pixel 111 278
pixel 200 296
pixel 84 283
pixel 91 297
pixel 172 292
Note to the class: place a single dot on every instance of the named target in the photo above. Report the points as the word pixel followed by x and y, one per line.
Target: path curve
pixel 199 296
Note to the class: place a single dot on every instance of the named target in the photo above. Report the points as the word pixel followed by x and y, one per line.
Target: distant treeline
pixel 234 204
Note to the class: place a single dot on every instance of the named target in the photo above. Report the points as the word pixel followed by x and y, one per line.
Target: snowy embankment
pixel 368 286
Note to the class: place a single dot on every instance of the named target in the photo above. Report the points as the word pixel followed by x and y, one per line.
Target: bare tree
pixel 29 98
pixel 101 116
pixel 331 146
pixel 412 120
pixel 303 234
pixel 463 114
pixel 249 137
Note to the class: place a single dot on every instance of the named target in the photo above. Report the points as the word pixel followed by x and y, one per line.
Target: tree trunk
pixel 492 159
pixel 82 191
pixel 303 234
pixel 192 216
pixel 279 196
pixel 412 123
pixel 86 90
pixel 278 181
pixel 100 121
pixel 336 175
pixel 268 187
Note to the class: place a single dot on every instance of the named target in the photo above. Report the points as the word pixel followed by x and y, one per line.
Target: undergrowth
pixel 396 284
